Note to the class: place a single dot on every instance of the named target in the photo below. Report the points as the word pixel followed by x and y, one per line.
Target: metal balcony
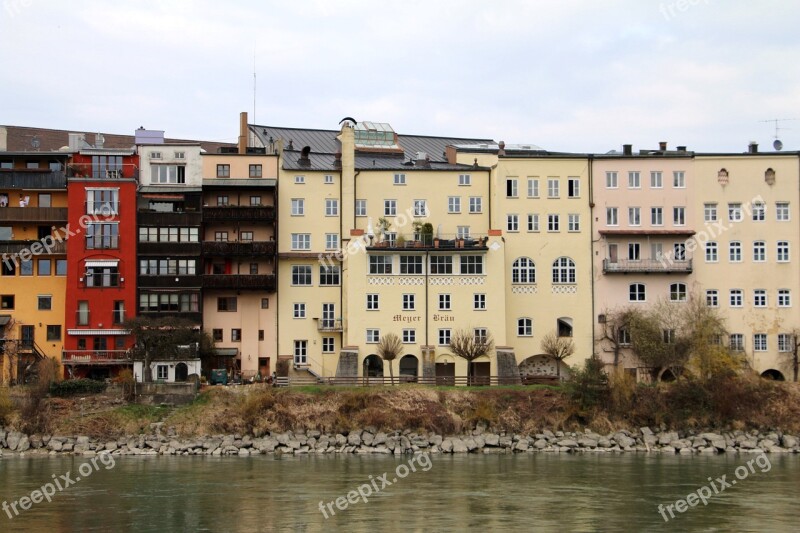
pixel 261 282
pixel 95 357
pixel 648 266
pixel 238 248
pixel 169 249
pixel 233 213
pixel 33 214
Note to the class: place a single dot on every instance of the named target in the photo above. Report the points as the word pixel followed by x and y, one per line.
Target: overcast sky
pixel 566 75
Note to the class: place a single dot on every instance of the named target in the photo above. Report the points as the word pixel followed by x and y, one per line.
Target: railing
pixel 170 280
pixel 195 317
pixel 32 179
pixel 169 248
pixel 326 324
pixel 33 214
pixel 101 280
pixel 46 248
pixel 264 282
pixel 95 357
pixel 146 217
pixel 238 248
pixel 239 212
pixel 109 209
pixel 654 266
pixel 102 242
pixel 115 172
pixel 429 242
pixel 441 381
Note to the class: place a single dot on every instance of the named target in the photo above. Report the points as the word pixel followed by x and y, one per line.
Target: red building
pixel 101 260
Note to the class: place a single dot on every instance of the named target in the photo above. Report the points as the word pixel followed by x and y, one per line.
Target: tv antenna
pixel 777 144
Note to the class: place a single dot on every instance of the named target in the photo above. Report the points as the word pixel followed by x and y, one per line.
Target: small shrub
pixel 282 368
pixel 126 380
pixel 6 407
pixel 588 388
pixel 72 387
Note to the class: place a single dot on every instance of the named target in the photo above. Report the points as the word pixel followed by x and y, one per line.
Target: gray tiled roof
pixel 325 162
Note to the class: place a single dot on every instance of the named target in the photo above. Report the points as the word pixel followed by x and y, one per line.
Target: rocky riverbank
pixel 163 441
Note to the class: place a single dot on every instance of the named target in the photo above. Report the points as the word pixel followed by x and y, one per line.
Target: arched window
pixel 636 292
pixel 564 270
pixel 523 271
pixel 524 327
pixel 677 292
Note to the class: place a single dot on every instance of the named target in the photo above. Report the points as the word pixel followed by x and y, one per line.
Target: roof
pixel 326 162
pixel 19 140
pixel 654 232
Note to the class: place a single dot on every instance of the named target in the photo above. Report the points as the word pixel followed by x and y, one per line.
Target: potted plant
pixel 383 229
pixel 426 233
pixel 401 241
pixel 436 242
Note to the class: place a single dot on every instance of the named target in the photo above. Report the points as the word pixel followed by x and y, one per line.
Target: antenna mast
pixel 254 84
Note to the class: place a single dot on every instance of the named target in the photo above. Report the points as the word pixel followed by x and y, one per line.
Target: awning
pixel 4 319
pixel 226 352
pixel 161 189
pixel 98 332
pixel 108 263
pixel 163 196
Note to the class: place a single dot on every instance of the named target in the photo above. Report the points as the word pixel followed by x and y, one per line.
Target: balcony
pixel 191 316
pixel 667 265
pixel 32 179
pixel 33 214
pixel 234 213
pixel 427 242
pixel 169 249
pixel 95 357
pixel 261 282
pixel 103 172
pixel 167 281
pixel 160 218
pixel 327 324
pixel 43 247
pixel 239 248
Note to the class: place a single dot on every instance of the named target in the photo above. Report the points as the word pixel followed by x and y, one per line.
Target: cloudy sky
pixel 566 75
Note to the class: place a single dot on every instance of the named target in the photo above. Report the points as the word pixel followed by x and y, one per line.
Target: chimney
pixel 627 149
pixel 304 160
pixel 99 140
pixel 3 139
pixel 501 148
pixel 337 160
pixel 243 129
pixel 422 160
pixel 662 146
pixel 680 148
pixel 77 141
pixel 752 147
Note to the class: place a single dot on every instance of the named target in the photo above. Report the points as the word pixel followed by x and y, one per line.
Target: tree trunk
pixel 391 373
pixel 558 369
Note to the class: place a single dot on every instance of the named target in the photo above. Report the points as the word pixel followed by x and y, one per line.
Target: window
pixel 329 275
pixel 83 313
pixel 462 232
pixel 264 303
pixel 475 204
pixel 564 270
pixel 118 314
pixel 301 241
pixel 44 303
pixel 634 251
pixel 102 201
pixel 255 200
pixel 328 179
pixel 759 298
pixel 464 180
pixel 533 222
pixel 255 171
pixel 409 336
pixel 226 303
pixel 454 204
pixel 679 179
pixel 668 335
pixel 411 264
pixel 299 180
pixel 481 335
pixel 634 180
pixel 634 218
pixel 784 298
pixel 552 188
pixel 679 216
pixel 300 352
pixel 677 292
pixel 441 264
pixel 759 251
pixel 331 207
pixel 611 216
pixel 782 211
pixel 735 252
pixel 574 187
pixel 301 275
pixel 523 270
pixel 390 208
pixel 102 276
pixel 624 336
pixel 26 268
pixel 361 208
pixel 553 223
pixel 711 252
pixel 53 332
pixel 444 302
pixel 328 345
pixel 61 267
pixel 783 251
pixel 736 342
pixel 785 342
pixel 162 372
pixel 479 302
pixel 298 207
pixel 533 188
pixel 223 200
pixel 246 236
pixel 99 236
pixel 420 208
pixel 223 171
pixel 710 212
pixel 712 298
pixel 611 180
pixel 9 268
pixel 679 250
pixel 656 181
pixel 511 187
pixel 512 222
pixel 409 302
pixel 380 264
pixel 299 310
pixel 164 174
pixel 736 299
pixel 399 179
pixel 735 212
pixel 759 212
pixel 524 327
pixel 657 216
pixel 373 336
pixel 221 236
pixel 471 264
pixel 373 302
pixel 636 292
pixel 760 342
pixel 236 335
pixel 444 337
pixel 574 223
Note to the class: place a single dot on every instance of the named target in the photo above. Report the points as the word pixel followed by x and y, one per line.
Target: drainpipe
pixel 427 318
pixel 591 244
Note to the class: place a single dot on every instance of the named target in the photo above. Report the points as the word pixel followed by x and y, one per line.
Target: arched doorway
pixel 541 366
pixel 373 366
pixel 773 374
pixel 181 372
pixel 409 368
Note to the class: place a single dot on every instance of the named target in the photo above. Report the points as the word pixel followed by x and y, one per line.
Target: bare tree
pixel 466 345
pixel 558 348
pixel 390 348
pixel 794 336
pixel 616 331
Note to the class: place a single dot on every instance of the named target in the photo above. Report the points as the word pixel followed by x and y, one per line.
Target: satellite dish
pixel 778 145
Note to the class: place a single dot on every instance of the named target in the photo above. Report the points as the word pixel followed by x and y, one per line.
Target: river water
pixel 522 492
